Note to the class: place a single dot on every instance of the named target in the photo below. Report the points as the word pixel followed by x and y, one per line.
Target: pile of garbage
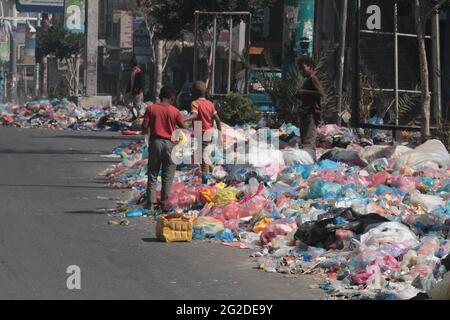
pixel 372 221
pixel 63 114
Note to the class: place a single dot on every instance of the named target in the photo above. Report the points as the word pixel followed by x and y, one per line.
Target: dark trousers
pixel 308 131
pixel 160 151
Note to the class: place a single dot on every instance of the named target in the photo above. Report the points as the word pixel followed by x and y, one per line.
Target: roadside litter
pixel 373 221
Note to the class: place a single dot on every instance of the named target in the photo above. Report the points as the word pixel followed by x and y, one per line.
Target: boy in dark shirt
pixel 310 110
pixel 160 121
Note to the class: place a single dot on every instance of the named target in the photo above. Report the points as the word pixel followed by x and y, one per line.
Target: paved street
pixel 51 217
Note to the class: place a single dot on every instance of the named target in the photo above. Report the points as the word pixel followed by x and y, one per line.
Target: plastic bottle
pixel 135 213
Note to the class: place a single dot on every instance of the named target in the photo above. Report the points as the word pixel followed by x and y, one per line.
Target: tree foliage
pixel 67 47
pixel 60 42
pixel 237 109
pixel 173 19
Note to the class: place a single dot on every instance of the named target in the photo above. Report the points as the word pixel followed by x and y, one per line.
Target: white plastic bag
pixel 392 232
pixel 431 154
pixel 428 202
pixel 297 156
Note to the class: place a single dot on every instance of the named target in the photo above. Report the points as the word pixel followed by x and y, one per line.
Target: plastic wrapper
pixel 296 156
pixel 280 227
pixel 225 196
pixel 207 227
pixel 431 154
pixel 389 232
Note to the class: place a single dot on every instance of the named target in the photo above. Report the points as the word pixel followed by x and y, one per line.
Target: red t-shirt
pixel 205 112
pixel 162 119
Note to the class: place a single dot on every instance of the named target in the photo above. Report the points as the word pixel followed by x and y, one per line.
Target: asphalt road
pixel 51 217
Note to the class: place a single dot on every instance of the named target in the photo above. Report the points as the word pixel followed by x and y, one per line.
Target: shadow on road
pixel 50 152
pixel 151 240
pixel 92 137
pixel 107 161
pixel 48 186
pixel 87 212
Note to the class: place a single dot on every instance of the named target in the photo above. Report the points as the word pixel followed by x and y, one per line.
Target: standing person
pixel 310 96
pixel 136 88
pixel 160 121
pixel 205 112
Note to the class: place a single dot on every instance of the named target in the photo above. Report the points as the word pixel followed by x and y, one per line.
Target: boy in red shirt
pixel 160 121
pixel 204 111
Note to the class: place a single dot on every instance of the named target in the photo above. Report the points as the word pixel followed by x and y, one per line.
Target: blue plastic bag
pixel 225 235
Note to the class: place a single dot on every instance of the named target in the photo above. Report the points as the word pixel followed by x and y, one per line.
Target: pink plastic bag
pixel 277 228
pixel 405 183
pixel 181 197
pixel 386 263
pixel 379 178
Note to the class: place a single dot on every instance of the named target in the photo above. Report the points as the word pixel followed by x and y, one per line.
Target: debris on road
pixel 63 114
pixel 372 220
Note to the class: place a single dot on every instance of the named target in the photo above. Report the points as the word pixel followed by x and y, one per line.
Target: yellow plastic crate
pixel 174 228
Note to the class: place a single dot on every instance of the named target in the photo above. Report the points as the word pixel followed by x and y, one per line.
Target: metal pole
pixel 230 54
pixel 24 70
pixel 14 56
pixel 436 58
pixel 194 73
pixel 13 67
pixel 247 72
pixel 397 120
pixel 356 93
pixel 344 8
pixel 213 76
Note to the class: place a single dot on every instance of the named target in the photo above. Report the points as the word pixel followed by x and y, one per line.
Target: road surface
pixel 51 217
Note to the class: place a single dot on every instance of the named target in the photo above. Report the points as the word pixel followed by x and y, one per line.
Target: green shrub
pixel 236 109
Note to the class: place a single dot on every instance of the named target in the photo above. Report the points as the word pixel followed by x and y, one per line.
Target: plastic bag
pixel 206 195
pixel 224 235
pixel 296 156
pixel 207 226
pixel 225 196
pixel 428 202
pixel 324 189
pixel 389 232
pixel 431 154
pixel 261 224
pixel 405 183
pixel 280 227
pixel 429 246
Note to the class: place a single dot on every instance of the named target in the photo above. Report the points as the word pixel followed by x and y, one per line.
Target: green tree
pixel 236 109
pixel 174 20
pixel 67 47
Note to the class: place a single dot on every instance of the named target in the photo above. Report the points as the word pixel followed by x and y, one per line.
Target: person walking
pixel 160 121
pixel 310 95
pixel 136 89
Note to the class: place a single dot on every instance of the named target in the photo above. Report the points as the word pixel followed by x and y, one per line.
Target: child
pixel 160 120
pixel 204 111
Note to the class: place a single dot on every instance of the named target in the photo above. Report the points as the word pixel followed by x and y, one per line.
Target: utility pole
pixel 92 12
pixel 45 24
pixel 14 56
pixel 436 67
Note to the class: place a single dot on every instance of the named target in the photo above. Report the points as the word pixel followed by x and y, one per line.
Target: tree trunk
pixel 342 45
pixel 424 71
pixel 158 68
